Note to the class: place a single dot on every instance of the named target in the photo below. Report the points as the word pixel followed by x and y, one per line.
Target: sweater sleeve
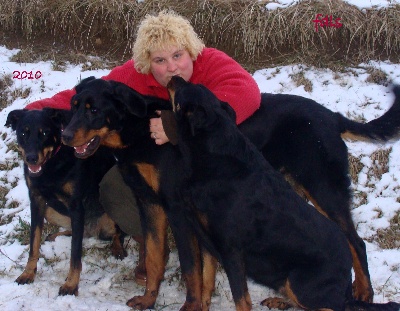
pixel 62 99
pixel 230 82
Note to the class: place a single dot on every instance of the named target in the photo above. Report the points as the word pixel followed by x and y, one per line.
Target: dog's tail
pixel 366 306
pixel 383 128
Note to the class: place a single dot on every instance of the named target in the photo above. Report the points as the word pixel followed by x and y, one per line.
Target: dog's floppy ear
pixel 79 87
pixel 229 110
pixel 202 117
pixel 13 118
pixel 132 100
pixel 59 117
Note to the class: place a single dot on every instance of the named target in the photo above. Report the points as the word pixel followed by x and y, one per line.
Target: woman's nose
pixel 171 66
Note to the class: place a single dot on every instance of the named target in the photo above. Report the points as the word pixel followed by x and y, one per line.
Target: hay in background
pixel 242 28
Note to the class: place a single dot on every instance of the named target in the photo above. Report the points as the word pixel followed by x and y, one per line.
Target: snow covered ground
pixel 107 283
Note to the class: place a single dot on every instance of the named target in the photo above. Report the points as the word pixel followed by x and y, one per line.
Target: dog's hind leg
pixel 316 158
pixel 340 213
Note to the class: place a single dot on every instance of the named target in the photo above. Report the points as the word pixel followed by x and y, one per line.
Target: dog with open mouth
pixel 297 135
pixel 62 189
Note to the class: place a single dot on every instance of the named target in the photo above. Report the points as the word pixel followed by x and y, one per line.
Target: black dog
pixel 256 222
pixel 295 134
pixel 62 189
pixel 111 114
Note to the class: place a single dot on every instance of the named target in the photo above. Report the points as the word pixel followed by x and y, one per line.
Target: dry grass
pixel 389 238
pixel 380 163
pixel 378 76
pixel 6 82
pixel 299 79
pixel 355 167
pixel 242 28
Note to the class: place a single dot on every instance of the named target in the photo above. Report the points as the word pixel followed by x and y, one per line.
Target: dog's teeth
pixel 80 149
pixel 34 168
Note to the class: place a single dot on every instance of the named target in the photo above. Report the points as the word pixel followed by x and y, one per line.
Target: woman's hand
pixel 157 130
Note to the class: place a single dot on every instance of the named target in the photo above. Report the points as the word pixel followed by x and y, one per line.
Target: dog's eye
pixel 94 110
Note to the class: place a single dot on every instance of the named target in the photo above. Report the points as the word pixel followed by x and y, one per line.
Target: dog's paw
pixel 191 306
pixel 68 290
pixel 276 303
pixel 142 302
pixel 363 291
pixel 26 278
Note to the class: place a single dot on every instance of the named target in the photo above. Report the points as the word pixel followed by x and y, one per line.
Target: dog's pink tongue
pixel 34 168
pixel 81 149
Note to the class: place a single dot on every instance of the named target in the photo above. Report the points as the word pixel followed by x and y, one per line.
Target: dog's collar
pixel 56 151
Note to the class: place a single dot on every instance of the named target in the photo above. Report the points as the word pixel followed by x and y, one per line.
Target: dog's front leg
pixel 209 272
pixel 232 261
pixel 189 258
pixel 70 286
pixel 37 219
pixel 154 223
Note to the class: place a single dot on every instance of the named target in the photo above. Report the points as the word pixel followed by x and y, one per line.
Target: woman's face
pixel 170 62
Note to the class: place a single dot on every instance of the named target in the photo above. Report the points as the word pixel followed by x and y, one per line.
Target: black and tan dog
pixel 257 224
pixel 297 135
pixel 62 189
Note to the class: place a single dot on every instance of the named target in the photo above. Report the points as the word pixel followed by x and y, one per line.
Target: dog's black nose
pixel 32 158
pixel 66 136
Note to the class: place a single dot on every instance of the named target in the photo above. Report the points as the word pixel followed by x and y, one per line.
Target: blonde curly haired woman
pixel 166 45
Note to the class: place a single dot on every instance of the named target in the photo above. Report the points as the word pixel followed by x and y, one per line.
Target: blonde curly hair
pixel 163 31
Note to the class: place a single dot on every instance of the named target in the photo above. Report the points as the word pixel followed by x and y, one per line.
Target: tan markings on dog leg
pixel 29 273
pixel 244 304
pixel 150 175
pixel 293 300
pixel 117 248
pixel 361 287
pixel 209 273
pixel 194 280
pixel 315 203
pixel 298 188
pixel 70 286
pixel 155 243
pixel 55 218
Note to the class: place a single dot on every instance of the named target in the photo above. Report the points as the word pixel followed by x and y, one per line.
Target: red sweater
pixel 212 68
